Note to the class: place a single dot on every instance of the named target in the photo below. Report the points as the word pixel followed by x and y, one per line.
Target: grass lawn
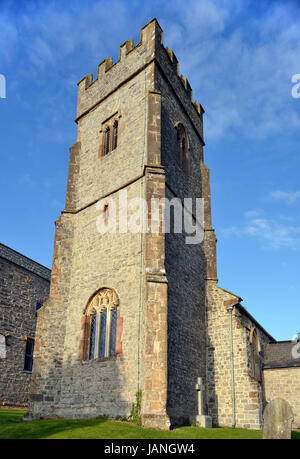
pixel 11 427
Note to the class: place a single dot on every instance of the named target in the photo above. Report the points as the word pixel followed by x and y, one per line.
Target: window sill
pixel 105 155
pixel 103 359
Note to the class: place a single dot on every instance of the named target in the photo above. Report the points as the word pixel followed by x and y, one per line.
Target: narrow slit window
pixel 106 211
pixel 115 135
pixel 183 143
pixel 29 354
pixel 107 141
pixel 183 149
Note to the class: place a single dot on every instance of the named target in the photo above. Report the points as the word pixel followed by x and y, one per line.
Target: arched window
pixel 110 134
pixel 115 135
pixel 107 141
pixel 254 357
pixel 100 326
pixel 183 154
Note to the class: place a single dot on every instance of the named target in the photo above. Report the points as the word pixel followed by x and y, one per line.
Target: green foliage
pixel 135 414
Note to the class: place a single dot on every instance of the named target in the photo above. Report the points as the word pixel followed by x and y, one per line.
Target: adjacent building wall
pixel 284 383
pixel 282 375
pixel 23 284
pixel 246 393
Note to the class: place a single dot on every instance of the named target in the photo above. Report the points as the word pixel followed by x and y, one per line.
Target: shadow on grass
pixel 12 427
pixel 7 415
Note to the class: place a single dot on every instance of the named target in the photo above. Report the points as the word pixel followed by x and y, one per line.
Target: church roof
pixel 21 260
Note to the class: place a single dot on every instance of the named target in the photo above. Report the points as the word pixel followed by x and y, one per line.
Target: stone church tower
pixel 137 311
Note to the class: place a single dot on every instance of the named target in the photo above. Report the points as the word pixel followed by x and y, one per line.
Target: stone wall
pixel 284 383
pixel 185 264
pixel 24 283
pixel 86 260
pixel 248 388
pixel 281 375
pixel 132 264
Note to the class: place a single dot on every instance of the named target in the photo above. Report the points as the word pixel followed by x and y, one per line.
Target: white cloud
pixel 241 69
pixel 288 197
pixel 271 233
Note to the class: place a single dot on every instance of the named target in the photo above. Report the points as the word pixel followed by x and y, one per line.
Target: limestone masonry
pixel 24 286
pixel 133 312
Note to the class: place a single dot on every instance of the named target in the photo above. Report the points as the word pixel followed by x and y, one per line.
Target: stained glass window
pixel 102 333
pixel 93 336
pixel 113 332
pixel 100 326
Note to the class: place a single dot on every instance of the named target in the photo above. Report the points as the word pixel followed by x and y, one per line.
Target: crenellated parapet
pixel 132 60
pixel 184 80
pixel 110 76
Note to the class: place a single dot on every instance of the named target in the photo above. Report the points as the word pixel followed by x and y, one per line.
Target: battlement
pixel 184 80
pixel 132 59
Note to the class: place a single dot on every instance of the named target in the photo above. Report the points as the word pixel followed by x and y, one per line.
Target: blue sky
pixel 239 57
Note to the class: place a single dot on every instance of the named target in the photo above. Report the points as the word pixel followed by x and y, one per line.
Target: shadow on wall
pixel 185 266
pixel 212 397
pixel 73 389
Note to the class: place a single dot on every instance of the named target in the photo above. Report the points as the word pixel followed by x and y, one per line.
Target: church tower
pixel 127 307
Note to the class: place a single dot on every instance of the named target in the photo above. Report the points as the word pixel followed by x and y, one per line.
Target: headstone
pixel 202 420
pixel 278 418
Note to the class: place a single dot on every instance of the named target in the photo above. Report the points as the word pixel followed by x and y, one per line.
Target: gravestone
pixel 202 420
pixel 278 418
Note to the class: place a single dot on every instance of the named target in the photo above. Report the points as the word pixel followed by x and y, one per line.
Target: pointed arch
pixel 255 357
pixel 100 323
pixel 104 298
